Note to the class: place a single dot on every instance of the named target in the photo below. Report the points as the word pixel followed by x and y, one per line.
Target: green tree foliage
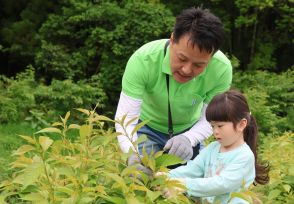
pixel 20 21
pixel 23 97
pixel 98 38
pixel 270 96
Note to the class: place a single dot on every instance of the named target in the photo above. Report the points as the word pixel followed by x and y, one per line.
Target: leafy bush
pixel 271 98
pixel 23 98
pixel 64 95
pixel 17 96
pixel 90 169
pixel 279 151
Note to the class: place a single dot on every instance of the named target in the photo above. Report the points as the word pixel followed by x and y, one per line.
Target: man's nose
pixel 187 68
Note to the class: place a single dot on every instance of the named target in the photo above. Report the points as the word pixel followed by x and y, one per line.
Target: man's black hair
pixel 204 29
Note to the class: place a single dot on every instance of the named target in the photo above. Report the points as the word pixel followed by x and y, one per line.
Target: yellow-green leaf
pixel 103 118
pixel 23 149
pixel 85 131
pixel 74 126
pixel 242 196
pixel 287 188
pixel 49 130
pixel 35 197
pixel 84 111
pixel 130 121
pixel 141 124
pixel 30 175
pixel 167 160
pixel 22 162
pixel 66 116
pixel 45 142
pixel 28 139
pixel 118 179
pixel 273 194
pixel 56 124
pixel 141 139
pixel 64 189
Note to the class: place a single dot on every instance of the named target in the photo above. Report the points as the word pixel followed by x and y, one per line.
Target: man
pixel 170 82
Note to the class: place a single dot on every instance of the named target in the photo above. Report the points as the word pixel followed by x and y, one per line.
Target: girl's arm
pixel 193 169
pixel 229 180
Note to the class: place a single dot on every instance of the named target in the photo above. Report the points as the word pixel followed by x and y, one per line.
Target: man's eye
pixel 182 59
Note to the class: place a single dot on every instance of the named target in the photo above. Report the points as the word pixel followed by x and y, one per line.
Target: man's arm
pixel 200 131
pixel 131 107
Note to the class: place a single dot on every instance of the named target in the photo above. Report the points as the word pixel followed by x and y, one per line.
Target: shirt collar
pixel 166 62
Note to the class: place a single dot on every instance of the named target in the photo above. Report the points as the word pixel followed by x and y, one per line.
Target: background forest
pixel 58 55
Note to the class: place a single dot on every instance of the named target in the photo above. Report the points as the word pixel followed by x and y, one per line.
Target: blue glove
pixel 180 146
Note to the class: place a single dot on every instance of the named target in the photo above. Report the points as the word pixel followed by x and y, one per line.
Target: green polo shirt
pixel 145 78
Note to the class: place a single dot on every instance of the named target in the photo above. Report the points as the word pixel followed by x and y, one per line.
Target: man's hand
pixel 135 160
pixel 180 146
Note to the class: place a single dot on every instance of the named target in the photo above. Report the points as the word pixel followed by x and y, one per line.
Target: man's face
pixel 187 61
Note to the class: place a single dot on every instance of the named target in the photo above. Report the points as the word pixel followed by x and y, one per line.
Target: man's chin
pixel 180 79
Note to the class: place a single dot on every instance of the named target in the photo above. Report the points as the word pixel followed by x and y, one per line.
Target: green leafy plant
pixel 278 151
pixel 88 169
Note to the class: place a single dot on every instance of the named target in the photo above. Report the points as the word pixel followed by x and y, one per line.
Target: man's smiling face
pixel 186 60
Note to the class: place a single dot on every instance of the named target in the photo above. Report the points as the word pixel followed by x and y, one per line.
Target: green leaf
pixel 28 139
pixel 141 124
pixel 273 194
pixel 45 142
pixel 167 160
pixel 49 130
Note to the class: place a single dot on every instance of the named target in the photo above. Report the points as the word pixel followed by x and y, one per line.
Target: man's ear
pixel 171 39
pixel 242 125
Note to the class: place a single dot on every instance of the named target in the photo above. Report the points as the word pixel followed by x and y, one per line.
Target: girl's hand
pixel 174 186
pixel 177 187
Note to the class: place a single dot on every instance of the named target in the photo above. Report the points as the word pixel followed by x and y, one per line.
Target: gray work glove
pixel 180 146
pixel 135 160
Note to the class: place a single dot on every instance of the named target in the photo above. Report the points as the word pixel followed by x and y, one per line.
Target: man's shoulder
pixel 221 58
pixel 151 48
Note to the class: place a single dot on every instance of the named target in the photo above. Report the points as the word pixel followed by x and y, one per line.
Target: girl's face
pixel 228 136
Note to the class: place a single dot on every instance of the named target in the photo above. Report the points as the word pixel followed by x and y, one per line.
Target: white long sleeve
pixel 131 107
pixel 200 131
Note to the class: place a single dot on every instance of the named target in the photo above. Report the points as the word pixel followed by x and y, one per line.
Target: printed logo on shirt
pixel 194 102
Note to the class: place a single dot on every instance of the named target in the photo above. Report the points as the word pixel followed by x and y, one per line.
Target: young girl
pixel 225 165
